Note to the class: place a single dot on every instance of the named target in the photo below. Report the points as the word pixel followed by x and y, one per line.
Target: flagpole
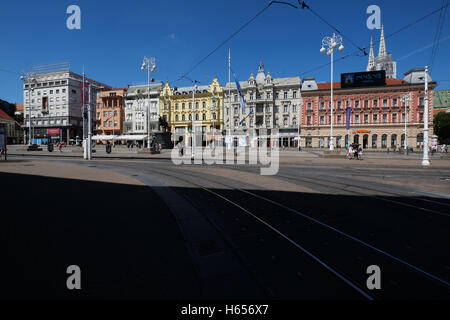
pixel 229 98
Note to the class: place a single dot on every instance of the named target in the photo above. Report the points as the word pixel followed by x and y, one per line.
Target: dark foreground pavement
pixel 124 239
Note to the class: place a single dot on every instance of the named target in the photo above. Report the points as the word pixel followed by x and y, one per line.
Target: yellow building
pixel 176 108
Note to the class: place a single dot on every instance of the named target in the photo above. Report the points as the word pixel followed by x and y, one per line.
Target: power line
pixel 437 37
pixel 355 53
pixel 226 40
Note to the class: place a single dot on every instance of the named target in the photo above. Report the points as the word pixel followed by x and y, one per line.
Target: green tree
pixel 442 126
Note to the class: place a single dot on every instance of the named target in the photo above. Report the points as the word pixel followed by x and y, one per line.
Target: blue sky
pixel 115 35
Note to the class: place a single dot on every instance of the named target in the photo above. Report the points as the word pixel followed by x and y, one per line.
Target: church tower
pixel 384 59
pixel 371 64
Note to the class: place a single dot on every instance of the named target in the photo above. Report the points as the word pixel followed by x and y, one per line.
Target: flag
pixel 348 113
pixel 86 93
pixel 241 95
pixel 251 111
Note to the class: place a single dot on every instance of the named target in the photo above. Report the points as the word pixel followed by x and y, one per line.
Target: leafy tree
pixel 19 118
pixel 442 126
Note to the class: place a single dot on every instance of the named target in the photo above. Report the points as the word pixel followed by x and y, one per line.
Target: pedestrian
pixel 60 147
pixel 446 148
pixel 360 153
pixel 350 152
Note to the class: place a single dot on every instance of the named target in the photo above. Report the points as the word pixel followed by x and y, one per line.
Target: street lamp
pixel 148 64
pixel 426 159
pixel 405 99
pixel 29 79
pixel 328 46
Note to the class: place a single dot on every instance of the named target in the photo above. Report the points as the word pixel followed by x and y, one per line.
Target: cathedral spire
pixel 371 64
pixel 382 51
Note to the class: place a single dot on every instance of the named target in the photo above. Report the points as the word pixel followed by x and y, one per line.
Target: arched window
pixel 176 117
pixel 196 117
pixel 394 141
pixel 214 116
pixel 384 141
pixel 403 141
pixel 204 117
pixel 374 141
pixel 420 139
pixel 183 117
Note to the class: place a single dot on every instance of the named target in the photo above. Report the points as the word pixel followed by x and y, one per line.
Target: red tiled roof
pixel 19 107
pixel 4 115
pixel 337 85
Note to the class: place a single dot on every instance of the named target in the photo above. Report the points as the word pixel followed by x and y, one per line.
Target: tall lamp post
pixel 29 79
pixel 148 64
pixel 426 159
pixel 328 46
pixel 405 99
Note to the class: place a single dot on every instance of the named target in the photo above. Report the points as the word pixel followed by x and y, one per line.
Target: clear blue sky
pixel 115 35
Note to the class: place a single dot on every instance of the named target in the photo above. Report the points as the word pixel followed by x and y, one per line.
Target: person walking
pixel 350 152
pixel 360 153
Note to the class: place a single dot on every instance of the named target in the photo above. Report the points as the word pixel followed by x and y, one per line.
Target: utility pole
pixel 89 144
pixel 426 159
pixel 193 122
pixel 229 98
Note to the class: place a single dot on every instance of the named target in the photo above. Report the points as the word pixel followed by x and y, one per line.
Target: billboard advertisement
pixel 363 79
pixel 53 132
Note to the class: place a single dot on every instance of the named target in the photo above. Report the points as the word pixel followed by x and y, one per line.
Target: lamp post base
pixel 425 163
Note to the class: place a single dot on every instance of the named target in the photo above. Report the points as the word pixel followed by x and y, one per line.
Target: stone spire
pixel 371 64
pixel 382 51
pixel 260 76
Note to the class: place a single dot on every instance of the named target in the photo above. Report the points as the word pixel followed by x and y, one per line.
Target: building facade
pixel 441 101
pixel 273 104
pixel 55 103
pixel 377 113
pixel 176 109
pixel 14 133
pixel 137 104
pixel 110 114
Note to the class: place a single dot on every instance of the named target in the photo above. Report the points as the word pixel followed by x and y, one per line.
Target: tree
pixel 442 126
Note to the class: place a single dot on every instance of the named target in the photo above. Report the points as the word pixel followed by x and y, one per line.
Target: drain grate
pixel 208 247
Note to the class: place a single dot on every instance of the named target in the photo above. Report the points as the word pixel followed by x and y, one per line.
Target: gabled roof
pixel 5 116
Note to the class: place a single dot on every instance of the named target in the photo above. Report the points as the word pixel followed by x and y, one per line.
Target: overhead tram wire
pixel 304 5
pixel 356 53
pixel 437 37
pixel 227 39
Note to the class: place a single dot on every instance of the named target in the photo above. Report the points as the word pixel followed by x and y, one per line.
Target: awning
pixel 122 137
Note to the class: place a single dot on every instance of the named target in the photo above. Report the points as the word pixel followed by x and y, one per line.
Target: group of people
pixel 354 152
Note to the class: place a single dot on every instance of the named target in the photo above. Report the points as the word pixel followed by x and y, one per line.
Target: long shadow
pixel 130 246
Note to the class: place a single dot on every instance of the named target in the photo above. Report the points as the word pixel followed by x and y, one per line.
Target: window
pixel 357 118
pixel 251 96
pixel 294 95
pixel 285 109
pixel 235 98
pixel 104 124
pixel 190 105
pixel 366 118
pixel 115 123
pixel 51 91
pixel 267 109
pixel 421 101
pixel 109 123
pixel 294 108
pixel 183 118
pixel 275 109
pixel 268 95
pixel 196 105
pixel 339 104
pixel 385 103
pixel 339 119
pixel 384 118
pixel 98 115
pixel 421 116
pixel 322 119
pixel 394 117
pixel 204 105
pixel 196 117
pixel 375 103
pixel 105 113
pixel 375 118
pixel 165 106
pixel 176 117
pixel 277 96
pixel 204 117
pixel 115 113
pixel 356 104
pixel 214 116
pixel 308 106
pixel 57 91
pixel 176 106
pixel 190 117
pixel 366 104
pixel 322 105
pixel 285 95
pixel 236 110
pixel 394 102
pixel 182 106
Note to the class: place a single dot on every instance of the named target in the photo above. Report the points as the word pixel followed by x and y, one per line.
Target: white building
pixel 136 110
pixel 273 104
pixel 55 102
